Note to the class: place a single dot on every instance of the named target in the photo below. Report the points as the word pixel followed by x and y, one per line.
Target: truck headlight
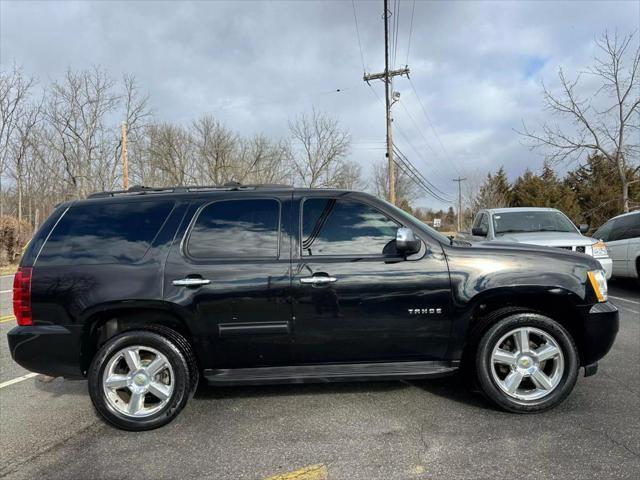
pixel 598 281
pixel 600 249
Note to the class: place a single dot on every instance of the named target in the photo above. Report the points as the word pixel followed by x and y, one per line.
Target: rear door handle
pixel 191 282
pixel 319 280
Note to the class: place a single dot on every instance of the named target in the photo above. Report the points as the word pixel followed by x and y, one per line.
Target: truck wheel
pixel 527 363
pixel 139 380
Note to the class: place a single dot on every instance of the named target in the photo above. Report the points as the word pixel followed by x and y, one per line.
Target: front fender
pixel 485 278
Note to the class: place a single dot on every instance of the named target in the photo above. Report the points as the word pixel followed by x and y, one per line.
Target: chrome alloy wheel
pixel 138 381
pixel 527 363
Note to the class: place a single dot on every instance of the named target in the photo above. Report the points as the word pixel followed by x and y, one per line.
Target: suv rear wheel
pixel 527 363
pixel 140 380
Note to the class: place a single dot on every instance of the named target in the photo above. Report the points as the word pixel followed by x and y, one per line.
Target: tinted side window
pixel 604 231
pixel 105 233
pixel 477 220
pixel 236 228
pixel 484 222
pixel 345 227
pixel 625 227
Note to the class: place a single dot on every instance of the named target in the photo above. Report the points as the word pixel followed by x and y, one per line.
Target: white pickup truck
pixel 537 226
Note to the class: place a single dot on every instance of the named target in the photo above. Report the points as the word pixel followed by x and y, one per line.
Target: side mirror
pixel 479 231
pixel 584 228
pixel 406 242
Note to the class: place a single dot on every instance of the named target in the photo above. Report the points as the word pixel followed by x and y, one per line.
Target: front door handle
pixel 191 282
pixel 319 280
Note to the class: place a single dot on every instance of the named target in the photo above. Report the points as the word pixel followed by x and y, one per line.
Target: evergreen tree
pixel 495 192
pixel 596 187
pixel 528 190
pixel 545 190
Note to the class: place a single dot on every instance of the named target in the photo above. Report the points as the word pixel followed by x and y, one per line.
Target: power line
pixel 396 29
pixel 355 18
pixel 433 128
pixel 413 9
pixel 415 124
pixel 418 153
pixel 430 187
pixel 406 138
pixel 408 170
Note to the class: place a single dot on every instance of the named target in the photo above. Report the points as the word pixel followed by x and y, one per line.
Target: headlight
pixel 598 281
pixel 600 249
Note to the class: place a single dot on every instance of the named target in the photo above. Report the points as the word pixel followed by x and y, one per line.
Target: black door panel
pixel 374 311
pixel 355 299
pixel 242 315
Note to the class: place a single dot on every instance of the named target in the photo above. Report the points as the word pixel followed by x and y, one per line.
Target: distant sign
pixel 437 222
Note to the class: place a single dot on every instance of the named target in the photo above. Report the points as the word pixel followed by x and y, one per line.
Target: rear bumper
pixel 599 330
pixel 48 349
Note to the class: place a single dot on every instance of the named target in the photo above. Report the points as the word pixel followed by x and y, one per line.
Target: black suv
pixel 145 291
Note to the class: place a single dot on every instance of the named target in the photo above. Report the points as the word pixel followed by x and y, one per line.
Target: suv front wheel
pixel 527 363
pixel 140 380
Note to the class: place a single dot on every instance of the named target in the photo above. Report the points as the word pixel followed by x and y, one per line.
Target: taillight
pixel 22 296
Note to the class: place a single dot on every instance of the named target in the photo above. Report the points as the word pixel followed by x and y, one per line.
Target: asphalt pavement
pixel 383 430
pixel 6 286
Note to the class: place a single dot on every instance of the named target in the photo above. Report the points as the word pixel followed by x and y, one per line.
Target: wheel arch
pixel 560 305
pixel 102 325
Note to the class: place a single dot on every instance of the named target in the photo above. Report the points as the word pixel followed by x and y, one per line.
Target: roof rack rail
pixel 142 190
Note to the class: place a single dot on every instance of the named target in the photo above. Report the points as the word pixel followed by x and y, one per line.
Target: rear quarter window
pixel 105 233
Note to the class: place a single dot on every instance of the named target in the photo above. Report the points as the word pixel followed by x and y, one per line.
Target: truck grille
pixel 579 249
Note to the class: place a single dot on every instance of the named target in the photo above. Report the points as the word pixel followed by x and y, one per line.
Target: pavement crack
pixel 613 440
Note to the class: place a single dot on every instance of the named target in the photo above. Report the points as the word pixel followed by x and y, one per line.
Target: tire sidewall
pixel 181 389
pixel 484 364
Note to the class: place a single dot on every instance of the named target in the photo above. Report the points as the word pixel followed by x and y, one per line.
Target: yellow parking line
pixel 312 472
pixel 7 318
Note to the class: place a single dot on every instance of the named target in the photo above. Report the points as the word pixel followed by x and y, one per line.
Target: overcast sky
pixel 476 66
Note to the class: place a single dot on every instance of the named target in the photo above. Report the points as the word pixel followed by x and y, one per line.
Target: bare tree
pixel 612 130
pixel 170 150
pixel 15 90
pixel 21 146
pixel 77 113
pixel 262 160
pixel 407 190
pixel 350 177
pixel 319 149
pixel 136 115
pixel 215 147
pixel 490 195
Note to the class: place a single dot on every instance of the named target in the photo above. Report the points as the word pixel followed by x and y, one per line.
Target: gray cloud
pixel 476 65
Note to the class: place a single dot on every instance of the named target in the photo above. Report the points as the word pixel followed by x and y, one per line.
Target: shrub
pixel 14 235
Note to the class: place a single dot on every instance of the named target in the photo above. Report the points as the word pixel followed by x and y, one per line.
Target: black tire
pixel 183 379
pixel 484 364
pixel 186 349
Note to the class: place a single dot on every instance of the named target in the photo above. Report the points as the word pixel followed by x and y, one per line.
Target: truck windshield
pixel 532 221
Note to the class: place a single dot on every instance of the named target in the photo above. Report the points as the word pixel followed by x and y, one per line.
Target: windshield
pixel 407 216
pixel 532 221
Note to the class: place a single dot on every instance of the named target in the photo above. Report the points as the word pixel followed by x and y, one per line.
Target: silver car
pixel 622 236
pixel 538 226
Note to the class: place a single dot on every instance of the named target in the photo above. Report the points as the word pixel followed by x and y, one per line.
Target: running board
pixel 347 372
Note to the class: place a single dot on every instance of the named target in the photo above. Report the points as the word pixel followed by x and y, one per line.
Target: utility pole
pixel 386 76
pixel 459 180
pixel 125 163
